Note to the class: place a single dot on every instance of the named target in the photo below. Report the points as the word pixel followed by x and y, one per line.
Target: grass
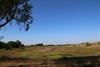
pixel 47 53
pixel 52 51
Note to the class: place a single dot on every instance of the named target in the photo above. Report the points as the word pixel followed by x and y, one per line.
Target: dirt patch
pixel 46 50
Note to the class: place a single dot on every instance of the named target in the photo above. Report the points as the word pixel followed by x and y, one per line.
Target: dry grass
pixel 37 54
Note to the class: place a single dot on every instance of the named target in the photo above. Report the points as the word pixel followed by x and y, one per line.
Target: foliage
pixel 2 44
pixel 88 44
pixel 17 10
pixel 98 43
pixel 41 44
pixel 11 44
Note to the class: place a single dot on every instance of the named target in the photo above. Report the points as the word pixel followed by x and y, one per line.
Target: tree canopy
pixel 11 45
pixel 18 10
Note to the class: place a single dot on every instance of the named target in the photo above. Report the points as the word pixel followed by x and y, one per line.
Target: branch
pixel 8 20
pixel 2 25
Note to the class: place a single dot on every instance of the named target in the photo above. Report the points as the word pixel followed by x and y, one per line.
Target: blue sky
pixel 59 22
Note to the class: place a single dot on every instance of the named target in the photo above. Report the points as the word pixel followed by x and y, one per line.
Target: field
pixel 52 56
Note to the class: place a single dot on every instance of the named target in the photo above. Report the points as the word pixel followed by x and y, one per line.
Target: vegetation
pixel 88 44
pixel 39 44
pixel 17 10
pixel 11 45
pixel 51 56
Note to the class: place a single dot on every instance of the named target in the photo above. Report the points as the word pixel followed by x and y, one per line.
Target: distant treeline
pixel 15 44
pixel 18 44
pixel 11 44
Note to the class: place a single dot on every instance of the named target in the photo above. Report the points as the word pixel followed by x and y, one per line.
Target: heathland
pixel 68 55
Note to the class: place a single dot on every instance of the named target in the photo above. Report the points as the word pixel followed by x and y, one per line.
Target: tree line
pixel 11 45
pixel 18 44
pixel 15 44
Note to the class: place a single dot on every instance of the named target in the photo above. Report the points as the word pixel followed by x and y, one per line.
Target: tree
pixel 14 44
pixel 17 10
pixel 2 44
pixel 19 44
pixel 98 43
pixel 11 44
pixel 41 44
pixel 88 44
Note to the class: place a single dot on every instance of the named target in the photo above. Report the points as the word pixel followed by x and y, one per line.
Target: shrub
pixel 88 44
pixel 41 44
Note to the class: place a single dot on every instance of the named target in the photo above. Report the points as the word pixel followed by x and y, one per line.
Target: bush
pixel 39 44
pixel 98 43
pixel 2 44
pixel 11 44
pixel 88 44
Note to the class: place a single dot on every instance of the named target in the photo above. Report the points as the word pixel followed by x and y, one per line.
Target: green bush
pixel 11 44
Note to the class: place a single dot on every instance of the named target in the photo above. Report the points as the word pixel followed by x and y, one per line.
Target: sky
pixel 59 22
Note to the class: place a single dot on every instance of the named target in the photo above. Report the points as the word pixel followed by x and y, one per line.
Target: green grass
pixel 52 52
